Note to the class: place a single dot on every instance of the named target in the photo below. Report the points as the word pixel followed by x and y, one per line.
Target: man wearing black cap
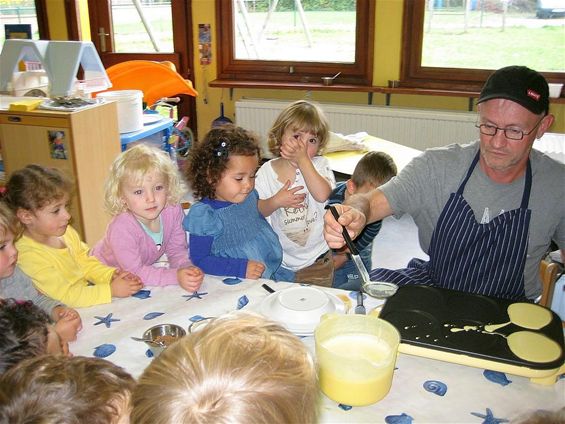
pixel 486 211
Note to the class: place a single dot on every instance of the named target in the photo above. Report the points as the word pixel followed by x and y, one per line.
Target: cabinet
pixel 83 143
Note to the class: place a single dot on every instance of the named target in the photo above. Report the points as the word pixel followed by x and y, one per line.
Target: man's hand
pixel 350 218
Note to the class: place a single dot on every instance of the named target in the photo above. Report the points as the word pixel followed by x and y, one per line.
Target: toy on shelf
pixel 59 62
pixel 155 79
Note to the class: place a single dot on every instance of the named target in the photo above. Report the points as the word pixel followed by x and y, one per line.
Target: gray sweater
pixel 19 286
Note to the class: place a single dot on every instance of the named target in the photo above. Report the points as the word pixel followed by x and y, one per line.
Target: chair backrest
pixel 548 274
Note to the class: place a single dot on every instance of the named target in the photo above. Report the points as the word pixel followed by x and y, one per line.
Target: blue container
pixel 156 133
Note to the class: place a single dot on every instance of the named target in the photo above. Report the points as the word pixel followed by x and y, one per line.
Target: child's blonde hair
pixel 35 186
pixel 58 389
pixel 8 221
pixel 238 368
pixel 132 165
pixel 374 168
pixel 300 115
pixel 209 159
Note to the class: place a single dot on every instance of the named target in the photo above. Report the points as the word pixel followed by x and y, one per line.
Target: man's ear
pixel 24 215
pixel 545 125
pixel 350 187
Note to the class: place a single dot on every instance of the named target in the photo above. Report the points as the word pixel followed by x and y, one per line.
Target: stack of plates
pixel 299 308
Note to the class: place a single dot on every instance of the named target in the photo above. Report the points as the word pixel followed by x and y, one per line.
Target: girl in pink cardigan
pixel 146 236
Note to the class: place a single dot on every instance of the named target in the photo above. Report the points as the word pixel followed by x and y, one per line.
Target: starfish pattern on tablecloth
pixel 107 320
pixel 195 295
pixel 489 417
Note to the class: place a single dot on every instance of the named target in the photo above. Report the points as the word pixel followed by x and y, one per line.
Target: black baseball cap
pixel 520 84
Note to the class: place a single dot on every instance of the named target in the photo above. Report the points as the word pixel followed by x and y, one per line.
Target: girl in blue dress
pixel 228 234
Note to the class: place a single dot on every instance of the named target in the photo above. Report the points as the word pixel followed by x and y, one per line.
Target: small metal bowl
pixel 163 335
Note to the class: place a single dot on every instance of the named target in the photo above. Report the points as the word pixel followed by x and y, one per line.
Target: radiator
pixel 417 128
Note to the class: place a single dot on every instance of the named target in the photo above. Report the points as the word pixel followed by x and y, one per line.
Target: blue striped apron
pixel 468 256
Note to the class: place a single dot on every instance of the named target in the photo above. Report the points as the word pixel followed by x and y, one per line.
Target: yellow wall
pixel 57 20
pixel 388 34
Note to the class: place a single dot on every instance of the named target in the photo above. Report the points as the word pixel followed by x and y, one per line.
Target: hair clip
pixel 222 150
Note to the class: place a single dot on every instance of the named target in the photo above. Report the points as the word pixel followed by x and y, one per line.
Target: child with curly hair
pixel 15 284
pixel 294 188
pixel 228 234
pixel 51 251
pixel 146 236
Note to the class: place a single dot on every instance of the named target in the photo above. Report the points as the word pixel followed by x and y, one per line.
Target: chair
pixel 548 274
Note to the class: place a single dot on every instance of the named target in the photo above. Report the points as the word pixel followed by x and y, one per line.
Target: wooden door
pixel 140 30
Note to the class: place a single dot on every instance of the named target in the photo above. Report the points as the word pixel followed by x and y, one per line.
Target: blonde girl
pixel 145 236
pixel 294 188
pixel 228 235
pixel 51 251
pixel 238 368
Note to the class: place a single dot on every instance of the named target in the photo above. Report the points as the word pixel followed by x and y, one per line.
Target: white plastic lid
pixel 121 95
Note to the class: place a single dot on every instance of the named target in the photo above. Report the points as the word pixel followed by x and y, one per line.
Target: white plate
pixel 299 308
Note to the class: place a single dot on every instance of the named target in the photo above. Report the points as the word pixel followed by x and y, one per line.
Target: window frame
pixel 359 73
pixel 414 75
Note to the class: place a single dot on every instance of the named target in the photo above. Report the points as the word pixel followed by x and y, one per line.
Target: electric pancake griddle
pixel 449 325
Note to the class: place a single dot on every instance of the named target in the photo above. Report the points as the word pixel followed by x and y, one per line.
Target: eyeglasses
pixel 509 133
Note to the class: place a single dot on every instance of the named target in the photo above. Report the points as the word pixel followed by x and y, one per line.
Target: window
pixel 23 12
pixel 456 44
pixel 295 40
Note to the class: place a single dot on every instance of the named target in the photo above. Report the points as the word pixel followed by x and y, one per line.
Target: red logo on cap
pixel 534 95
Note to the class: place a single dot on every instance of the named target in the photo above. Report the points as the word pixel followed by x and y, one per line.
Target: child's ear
pixel 24 215
pixel 350 187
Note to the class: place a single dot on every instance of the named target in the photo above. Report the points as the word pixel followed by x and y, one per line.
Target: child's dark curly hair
pixel 209 159
pixel 35 186
pixel 25 332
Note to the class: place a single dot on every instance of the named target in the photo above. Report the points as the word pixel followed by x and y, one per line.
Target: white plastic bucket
pixel 130 108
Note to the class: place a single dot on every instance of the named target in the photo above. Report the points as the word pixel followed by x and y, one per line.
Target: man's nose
pixel 499 139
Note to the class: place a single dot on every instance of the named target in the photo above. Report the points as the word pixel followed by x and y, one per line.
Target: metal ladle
pixel 376 289
pixel 150 342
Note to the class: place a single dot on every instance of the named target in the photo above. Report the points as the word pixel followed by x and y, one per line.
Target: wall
pixel 388 34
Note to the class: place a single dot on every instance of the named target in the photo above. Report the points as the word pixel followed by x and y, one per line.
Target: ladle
pixel 149 341
pixel 336 75
pixel 329 80
pixel 377 289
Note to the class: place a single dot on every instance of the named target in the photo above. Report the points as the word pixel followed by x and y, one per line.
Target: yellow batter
pixel 529 315
pixel 533 347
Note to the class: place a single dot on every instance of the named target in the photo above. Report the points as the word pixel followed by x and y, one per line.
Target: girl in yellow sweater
pixel 50 250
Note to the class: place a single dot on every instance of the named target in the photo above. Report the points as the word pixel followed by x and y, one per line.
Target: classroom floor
pixel 396 243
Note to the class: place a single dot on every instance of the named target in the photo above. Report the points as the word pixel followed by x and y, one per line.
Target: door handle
pixel 102 35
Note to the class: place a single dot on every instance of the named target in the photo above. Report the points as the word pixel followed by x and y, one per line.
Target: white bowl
pixel 299 308
pixel 555 90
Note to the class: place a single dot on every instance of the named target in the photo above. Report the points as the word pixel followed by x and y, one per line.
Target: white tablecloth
pixel 471 397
